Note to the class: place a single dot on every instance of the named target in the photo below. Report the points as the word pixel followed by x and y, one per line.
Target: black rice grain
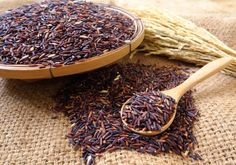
pixel 93 101
pixel 60 32
pixel 148 111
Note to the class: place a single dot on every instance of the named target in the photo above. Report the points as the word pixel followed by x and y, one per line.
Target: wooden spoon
pixel 177 92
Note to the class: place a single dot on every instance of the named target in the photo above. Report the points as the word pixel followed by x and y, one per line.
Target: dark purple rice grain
pixel 92 102
pixel 58 32
pixel 148 111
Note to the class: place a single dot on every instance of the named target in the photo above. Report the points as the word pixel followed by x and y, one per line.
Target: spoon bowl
pixel 148 133
pixel 177 92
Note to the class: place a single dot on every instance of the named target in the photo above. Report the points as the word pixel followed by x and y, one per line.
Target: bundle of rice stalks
pixel 180 39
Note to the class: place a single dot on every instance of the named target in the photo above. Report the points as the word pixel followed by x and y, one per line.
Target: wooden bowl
pixel 15 71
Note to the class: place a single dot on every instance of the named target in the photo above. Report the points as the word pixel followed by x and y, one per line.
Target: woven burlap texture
pixel 32 134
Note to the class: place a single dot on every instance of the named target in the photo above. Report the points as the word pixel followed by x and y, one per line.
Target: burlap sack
pixel 31 134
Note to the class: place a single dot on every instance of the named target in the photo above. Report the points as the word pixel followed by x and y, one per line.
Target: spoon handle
pixel 205 72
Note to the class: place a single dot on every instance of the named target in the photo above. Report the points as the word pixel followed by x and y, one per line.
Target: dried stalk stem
pixel 177 38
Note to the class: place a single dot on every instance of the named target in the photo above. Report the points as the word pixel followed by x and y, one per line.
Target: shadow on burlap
pixel 32 134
